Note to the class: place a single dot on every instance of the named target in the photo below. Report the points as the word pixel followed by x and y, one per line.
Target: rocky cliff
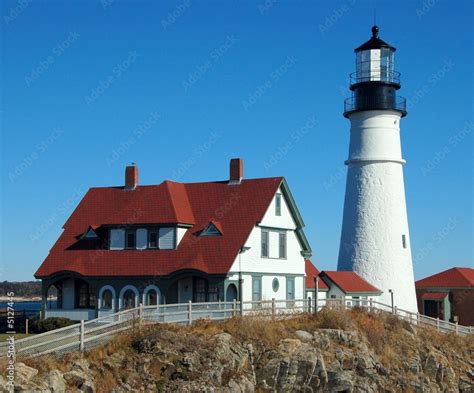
pixel 337 351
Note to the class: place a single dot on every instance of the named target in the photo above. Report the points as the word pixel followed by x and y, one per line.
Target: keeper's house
pixel 174 243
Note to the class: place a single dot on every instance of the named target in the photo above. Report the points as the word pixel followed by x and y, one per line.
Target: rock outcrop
pixel 211 359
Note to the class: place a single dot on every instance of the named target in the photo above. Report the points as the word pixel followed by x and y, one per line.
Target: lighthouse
pixel 375 240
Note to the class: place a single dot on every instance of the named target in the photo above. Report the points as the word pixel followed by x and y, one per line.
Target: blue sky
pixel 181 87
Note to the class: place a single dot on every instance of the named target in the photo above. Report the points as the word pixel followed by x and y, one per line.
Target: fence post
pixel 140 315
pixel 273 309
pixel 371 305
pixel 81 336
pixel 457 327
pixel 26 327
pixel 190 313
pixel 437 324
pixel 234 308
pixel 309 305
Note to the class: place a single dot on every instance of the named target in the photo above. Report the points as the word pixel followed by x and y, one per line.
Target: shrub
pixel 334 318
pixel 45 325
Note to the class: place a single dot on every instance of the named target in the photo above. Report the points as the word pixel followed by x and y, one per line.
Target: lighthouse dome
pixel 375 42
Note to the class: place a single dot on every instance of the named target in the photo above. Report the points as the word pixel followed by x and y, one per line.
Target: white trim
pixel 148 289
pixel 125 289
pixel 101 293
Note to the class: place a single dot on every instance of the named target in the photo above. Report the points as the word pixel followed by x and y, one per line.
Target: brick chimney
pixel 236 170
pixel 131 177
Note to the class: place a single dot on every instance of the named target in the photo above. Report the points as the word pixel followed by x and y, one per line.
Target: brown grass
pixel 386 334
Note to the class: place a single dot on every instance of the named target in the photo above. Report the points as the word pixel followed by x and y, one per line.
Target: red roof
pixel 349 282
pixel 312 272
pixel 434 295
pixel 237 208
pixel 457 277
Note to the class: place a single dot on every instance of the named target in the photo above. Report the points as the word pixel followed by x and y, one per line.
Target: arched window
pixel 129 299
pixel 151 298
pixel 151 295
pixel 107 298
pixel 54 297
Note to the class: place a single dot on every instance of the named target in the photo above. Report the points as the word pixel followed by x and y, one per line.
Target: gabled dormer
pixel 146 237
pixel 214 228
pixel 90 233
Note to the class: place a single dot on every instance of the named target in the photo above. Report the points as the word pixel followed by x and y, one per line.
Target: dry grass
pixel 387 335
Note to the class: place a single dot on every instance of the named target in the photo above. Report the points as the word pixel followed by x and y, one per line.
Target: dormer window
pixel 90 233
pixel 143 238
pixel 153 236
pixel 211 230
pixel 130 239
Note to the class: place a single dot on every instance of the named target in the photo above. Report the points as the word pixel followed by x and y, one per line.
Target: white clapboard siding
pixel 167 238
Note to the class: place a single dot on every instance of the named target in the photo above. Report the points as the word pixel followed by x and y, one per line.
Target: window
pixel 290 291
pixel 153 239
pixel 83 296
pixel 130 239
pixel 107 299
pixel 265 244
pixel 274 244
pixel 213 293
pixel 404 241
pixel 282 245
pixel 278 204
pixel 210 230
pixel 256 289
pixel 90 234
pixel 151 298
pixel 117 239
pixel 199 290
pixel 129 299
pixel 275 285
pixel 167 239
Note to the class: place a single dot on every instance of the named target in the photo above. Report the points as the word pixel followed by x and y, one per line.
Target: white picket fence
pixel 85 335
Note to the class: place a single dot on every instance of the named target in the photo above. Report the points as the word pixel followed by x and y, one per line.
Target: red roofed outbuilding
pixel 448 295
pixel 349 286
pixel 311 274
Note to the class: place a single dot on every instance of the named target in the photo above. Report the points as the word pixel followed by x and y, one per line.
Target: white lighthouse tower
pixel 375 240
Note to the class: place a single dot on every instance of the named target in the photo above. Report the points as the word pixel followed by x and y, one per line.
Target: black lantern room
pixel 375 82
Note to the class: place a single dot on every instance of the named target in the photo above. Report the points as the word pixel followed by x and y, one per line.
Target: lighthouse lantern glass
pixel 375 65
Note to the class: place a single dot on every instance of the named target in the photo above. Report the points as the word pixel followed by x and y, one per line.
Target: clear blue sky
pixel 180 87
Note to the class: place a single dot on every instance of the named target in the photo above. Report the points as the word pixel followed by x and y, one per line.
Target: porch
pixel 80 298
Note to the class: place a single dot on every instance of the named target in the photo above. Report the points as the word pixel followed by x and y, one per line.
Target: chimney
pixel 236 170
pixel 131 177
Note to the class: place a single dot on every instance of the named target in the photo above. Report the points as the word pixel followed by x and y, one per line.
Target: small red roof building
pixel 348 282
pixel 448 295
pixel 456 277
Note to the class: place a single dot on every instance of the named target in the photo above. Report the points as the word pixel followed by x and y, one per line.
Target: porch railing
pixel 85 335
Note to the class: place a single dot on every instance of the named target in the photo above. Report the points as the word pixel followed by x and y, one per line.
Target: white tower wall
pixel 375 239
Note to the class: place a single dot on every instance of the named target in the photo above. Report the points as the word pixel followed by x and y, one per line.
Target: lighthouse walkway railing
pixel 88 334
